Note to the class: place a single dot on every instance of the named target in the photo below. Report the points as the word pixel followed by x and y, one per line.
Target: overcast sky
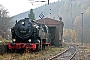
pixel 18 6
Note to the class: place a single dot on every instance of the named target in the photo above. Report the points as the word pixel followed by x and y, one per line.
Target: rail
pixel 71 50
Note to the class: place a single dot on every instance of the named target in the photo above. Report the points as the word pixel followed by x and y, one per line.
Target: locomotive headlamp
pixel 37 26
pixel 29 40
pixel 38 41
pixel 34 25
pixel 14 40
pixel 22 23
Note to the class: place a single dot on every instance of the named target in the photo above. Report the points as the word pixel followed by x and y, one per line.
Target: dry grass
pixel 29 56
pixel 1 38
pixel 84 53
pixel 4 41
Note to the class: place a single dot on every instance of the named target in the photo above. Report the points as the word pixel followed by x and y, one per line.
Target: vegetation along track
pixel 65 55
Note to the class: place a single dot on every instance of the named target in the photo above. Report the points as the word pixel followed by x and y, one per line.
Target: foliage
pixel 86 24
pixel 70 35
pixel 31 15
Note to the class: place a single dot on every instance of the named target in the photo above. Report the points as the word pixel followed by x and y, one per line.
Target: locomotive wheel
pixel 21 51
pixel 43 47
pixel 16 51
pixel 38 47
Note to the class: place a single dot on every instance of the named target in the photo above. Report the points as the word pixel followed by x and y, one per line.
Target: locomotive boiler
pixel 27 34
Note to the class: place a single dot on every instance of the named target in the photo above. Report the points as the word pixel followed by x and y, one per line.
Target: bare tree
pixel 5 20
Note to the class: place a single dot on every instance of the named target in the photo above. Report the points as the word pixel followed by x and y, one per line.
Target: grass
pixel 4 41
pixel 29 56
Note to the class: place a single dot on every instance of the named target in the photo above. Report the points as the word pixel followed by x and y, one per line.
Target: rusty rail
pixel 59 54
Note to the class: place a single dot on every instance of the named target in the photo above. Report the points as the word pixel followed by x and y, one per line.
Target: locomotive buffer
pixel 41 16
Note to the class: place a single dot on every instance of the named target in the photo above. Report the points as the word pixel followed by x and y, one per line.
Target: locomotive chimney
pixel 60 18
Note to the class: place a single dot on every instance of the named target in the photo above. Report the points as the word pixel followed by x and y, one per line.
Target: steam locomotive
pixel 27 34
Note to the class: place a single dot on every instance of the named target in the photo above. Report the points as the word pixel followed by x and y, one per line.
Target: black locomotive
pixel 27 34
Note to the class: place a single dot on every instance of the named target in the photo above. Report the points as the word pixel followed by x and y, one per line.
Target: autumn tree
pixel 70 35
pixel 5 20
pixel 31 15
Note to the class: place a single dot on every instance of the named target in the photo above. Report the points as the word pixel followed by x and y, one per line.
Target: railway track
pixel 68 54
